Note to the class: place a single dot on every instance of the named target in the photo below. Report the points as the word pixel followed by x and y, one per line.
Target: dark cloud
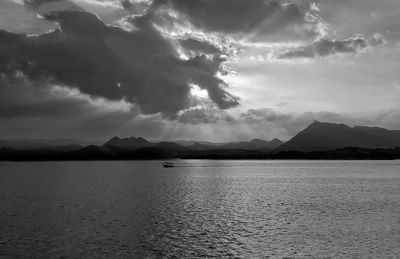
pixel 198 46
pixel 44 6
pixel 31 100
pixel 254 18
pixel 42 110
pixel 22 98
pixel 127 4
pixel 141 67
pixel 325 47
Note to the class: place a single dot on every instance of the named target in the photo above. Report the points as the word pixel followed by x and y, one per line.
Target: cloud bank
pixel 140 67
pixel 152 64
pixel 111 62
pixel 325 47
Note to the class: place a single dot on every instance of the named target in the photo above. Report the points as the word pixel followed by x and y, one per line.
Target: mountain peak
pixel 314 125
pixel 323 136
pixel 131 143
pixel 319 125
pixel 114 139
pixel 142 140
pixel 276 142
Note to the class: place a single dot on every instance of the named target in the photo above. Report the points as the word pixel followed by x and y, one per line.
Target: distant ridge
pixel 54 144
pixel 323 136
pixel 255 144
pixel 132 143
pixel 320 140
pixel 129 144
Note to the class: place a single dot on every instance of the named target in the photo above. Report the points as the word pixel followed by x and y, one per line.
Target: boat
pixel 168 164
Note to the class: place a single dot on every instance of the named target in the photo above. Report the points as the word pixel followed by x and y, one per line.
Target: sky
pixel 216 70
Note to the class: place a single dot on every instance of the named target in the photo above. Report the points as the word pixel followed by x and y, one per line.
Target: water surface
pixel 232 209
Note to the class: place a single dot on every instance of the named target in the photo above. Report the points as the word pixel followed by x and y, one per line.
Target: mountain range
pixel 55 144
pixel 317 141
pixel 124 145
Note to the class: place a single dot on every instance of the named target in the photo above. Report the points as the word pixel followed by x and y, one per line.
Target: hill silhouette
pixel 322 136
pixel 129 144
pixel 255 144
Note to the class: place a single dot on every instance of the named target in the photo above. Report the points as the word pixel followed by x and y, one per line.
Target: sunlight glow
pixel 198 92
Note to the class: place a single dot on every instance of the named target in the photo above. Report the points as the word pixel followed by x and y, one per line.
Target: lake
pixel 200 209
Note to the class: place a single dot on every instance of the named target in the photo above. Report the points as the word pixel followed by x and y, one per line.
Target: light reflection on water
pixel 240 209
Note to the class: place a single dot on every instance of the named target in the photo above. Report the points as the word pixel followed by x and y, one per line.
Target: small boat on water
pixel 168 164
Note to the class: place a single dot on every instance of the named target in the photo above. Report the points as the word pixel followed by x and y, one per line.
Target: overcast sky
pixel 218 70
